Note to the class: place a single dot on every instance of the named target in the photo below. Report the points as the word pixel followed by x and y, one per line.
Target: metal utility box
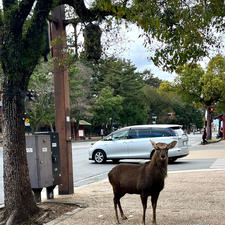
pixel 39 157
pixel 56 169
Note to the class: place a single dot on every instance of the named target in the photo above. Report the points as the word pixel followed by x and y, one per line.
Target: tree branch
pixel 22 12
pixel 95 13
pixel 7 4
pixel 16 13
pixel 72 21
pixel 33 40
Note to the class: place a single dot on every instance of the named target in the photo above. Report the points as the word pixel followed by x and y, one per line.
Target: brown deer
pixel 145 179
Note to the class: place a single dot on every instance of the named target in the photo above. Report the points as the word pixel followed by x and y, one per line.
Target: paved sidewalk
pixel 196 197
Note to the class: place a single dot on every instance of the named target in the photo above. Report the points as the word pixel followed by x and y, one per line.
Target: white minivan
pixel 133 143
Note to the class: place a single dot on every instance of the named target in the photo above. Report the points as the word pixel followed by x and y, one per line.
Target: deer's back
pixel 126 178
pixel 135 179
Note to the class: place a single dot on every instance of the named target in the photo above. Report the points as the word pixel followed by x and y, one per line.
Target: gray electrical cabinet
pixel 43 162
pixel 39 159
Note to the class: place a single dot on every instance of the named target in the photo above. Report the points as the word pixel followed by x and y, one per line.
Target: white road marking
pixel 218 164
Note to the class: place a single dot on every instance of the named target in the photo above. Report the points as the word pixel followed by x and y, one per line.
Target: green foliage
pixel 158 104
pixel 107 108
pixel 184 28
pixel 121 77
pixel 92 41
pixel 149 79
pixel 185 114
pixel 170 107
pixel 199 86
pixel 189 84
pixel 166 86
pixel 41 110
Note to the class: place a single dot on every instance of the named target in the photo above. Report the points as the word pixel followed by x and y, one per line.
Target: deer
pixel 143 179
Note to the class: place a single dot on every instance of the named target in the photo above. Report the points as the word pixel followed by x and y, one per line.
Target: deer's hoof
pixel 124 217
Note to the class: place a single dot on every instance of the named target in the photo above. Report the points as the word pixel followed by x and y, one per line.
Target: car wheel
pixel 172 160
pixel 115 161
pixel 99 156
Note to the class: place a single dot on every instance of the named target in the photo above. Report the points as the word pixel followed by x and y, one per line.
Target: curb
pixel 64 216
pixel 67 214
pixel 211 142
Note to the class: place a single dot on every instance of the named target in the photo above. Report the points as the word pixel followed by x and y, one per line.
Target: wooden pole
pixel 62 100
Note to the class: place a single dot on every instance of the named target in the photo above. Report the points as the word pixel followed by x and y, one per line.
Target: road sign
pixel 27 122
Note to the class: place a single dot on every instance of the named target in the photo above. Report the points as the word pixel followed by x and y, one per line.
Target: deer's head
pixel 161 149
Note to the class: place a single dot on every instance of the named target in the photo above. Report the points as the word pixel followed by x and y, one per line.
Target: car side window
pixel 133 134
pixel 162 132
pixel 144 133
pixel 139 133
pixel 120 135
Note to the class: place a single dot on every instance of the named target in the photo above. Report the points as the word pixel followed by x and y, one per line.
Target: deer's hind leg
pixel 117 198
pixel 144 200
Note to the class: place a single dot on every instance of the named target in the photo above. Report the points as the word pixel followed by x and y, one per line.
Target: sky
pixel 138 54
pixel 130 46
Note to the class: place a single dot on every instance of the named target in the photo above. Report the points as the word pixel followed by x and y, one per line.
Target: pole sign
pixel 27 122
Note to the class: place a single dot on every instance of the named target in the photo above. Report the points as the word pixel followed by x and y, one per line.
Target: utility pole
pixel 62 99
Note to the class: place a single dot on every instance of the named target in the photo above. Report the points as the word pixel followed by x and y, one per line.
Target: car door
pixel 118 145
pixel 139 145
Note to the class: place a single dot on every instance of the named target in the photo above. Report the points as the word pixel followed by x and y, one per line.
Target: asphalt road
pixel 86 171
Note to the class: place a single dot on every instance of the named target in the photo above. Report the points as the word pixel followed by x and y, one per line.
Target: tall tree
pixel 80 97
pixel 169 107
pixel 21 47
pixel 159 104
pixel 121 76
pixel 149 79
pixel 203 87
pixel 107 109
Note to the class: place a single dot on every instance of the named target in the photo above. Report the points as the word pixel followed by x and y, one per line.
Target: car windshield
pixel 117 135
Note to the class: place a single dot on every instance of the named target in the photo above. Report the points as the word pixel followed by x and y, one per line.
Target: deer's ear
pixel 153 144
pixel 172 144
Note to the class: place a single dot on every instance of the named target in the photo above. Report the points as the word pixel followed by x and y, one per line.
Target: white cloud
pixel 138 54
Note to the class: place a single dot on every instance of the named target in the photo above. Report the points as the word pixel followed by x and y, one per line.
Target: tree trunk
pixel 19 200
pixel 209 122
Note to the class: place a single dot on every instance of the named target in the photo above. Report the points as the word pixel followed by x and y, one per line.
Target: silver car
pixel 133 143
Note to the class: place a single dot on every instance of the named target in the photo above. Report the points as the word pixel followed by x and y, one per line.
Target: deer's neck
pixel 157 166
